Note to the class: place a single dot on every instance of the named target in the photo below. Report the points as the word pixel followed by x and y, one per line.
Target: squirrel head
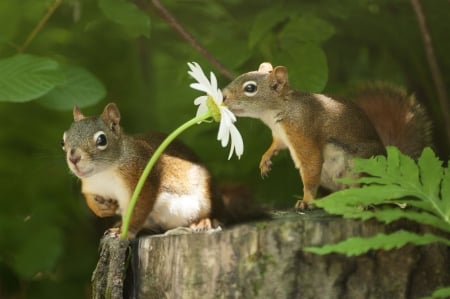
pixel 93 144
pixel 255 92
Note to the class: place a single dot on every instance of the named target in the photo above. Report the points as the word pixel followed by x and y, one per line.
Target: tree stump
pixel 265 260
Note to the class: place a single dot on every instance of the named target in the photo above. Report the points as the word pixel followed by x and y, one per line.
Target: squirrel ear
pixel 112 114
pixel 77 115
pixel 265 67
pixel 280 75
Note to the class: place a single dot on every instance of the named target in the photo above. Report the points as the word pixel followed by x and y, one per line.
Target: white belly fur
pixel 337 164
pixel 170 210
pixel 173 210
pixel 108 184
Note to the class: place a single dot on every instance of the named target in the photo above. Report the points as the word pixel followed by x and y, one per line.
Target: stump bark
pixel 265 260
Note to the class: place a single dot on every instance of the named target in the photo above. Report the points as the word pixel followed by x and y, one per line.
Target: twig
pixel 434 67
pixel 40 25
pixel 191 40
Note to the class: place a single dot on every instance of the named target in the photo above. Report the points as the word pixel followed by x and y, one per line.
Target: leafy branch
pixel 395 187
pixel 40 25
pixel 173 22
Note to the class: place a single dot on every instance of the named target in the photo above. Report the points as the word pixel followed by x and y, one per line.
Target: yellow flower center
pixel 213 108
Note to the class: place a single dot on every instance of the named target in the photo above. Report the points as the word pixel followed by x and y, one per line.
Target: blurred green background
pixel 91 52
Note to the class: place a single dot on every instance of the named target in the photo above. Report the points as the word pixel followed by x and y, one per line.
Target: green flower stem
pixel 151 163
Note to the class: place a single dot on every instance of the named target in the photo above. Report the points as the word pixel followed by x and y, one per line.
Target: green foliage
pixel 80 88
pixel 394 187
pixel 440 293
pixel 26 77
pixel 299 39
pixel 398 181
pixel 358 246
pixel 128 15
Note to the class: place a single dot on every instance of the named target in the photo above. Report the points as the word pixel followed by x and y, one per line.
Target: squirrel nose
pixel 224 98
pixel 73 157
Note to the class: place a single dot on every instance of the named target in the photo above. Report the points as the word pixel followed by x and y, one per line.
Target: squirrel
pixel 179 191
pixel 324 134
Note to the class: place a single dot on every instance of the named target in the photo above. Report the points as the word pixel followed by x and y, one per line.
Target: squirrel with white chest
pixel 324 134
pixel 179 191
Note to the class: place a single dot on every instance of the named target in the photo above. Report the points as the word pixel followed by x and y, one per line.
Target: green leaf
pixel 306 29
pixel 375 166
pixel 357 245
pixel 308 69
pixel 127 14
pixel 80 88
pixel 39 252
pixel 350 202
pixel 263 22
pixel 431 168
pixel 25 77
pixel 440 293
pixel 392 214
pixel 445 194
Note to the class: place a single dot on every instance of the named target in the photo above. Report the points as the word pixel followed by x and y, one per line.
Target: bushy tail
pixel 399 118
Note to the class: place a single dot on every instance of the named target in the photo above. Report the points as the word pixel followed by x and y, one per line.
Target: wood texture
pixel 265 260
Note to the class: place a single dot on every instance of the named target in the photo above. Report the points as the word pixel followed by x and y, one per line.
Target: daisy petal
pixel 202 109
pixel 200 87
pixel 200 100
pixel 237 141
pixel 227 130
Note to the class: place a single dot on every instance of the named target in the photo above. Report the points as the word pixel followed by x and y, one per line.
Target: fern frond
pixel 357 245
pixel 424 186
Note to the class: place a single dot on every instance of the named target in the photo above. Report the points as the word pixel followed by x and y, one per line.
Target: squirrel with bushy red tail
pixel 324 134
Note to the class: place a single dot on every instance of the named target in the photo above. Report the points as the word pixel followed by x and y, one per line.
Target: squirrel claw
pixel 265 168
pixel 303 205
pixel 113 232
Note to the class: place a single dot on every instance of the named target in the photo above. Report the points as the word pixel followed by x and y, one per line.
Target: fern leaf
pixel 440 293
pixel 445 195
pixel 354 199
pixel 431 173
pixel 393 214
pixel 356 245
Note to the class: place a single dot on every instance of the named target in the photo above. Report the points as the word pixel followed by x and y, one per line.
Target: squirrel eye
pixel 100 140
pixel 250 88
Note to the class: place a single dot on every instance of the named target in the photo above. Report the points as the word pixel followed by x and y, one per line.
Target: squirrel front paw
pixel 265 166
pixel 105 207
pixel 303 205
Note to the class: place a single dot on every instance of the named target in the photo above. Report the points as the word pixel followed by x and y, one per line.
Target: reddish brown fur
pixel 398 118
pixel 323 134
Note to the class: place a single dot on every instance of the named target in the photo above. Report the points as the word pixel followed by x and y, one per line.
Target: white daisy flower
pixel 213 102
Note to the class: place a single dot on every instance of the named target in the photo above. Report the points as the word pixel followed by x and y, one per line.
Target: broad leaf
pixel 127 14
pixel 25 77
pixel 263 22
pixel 306 29
pixel 80 88
pixel 308 69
